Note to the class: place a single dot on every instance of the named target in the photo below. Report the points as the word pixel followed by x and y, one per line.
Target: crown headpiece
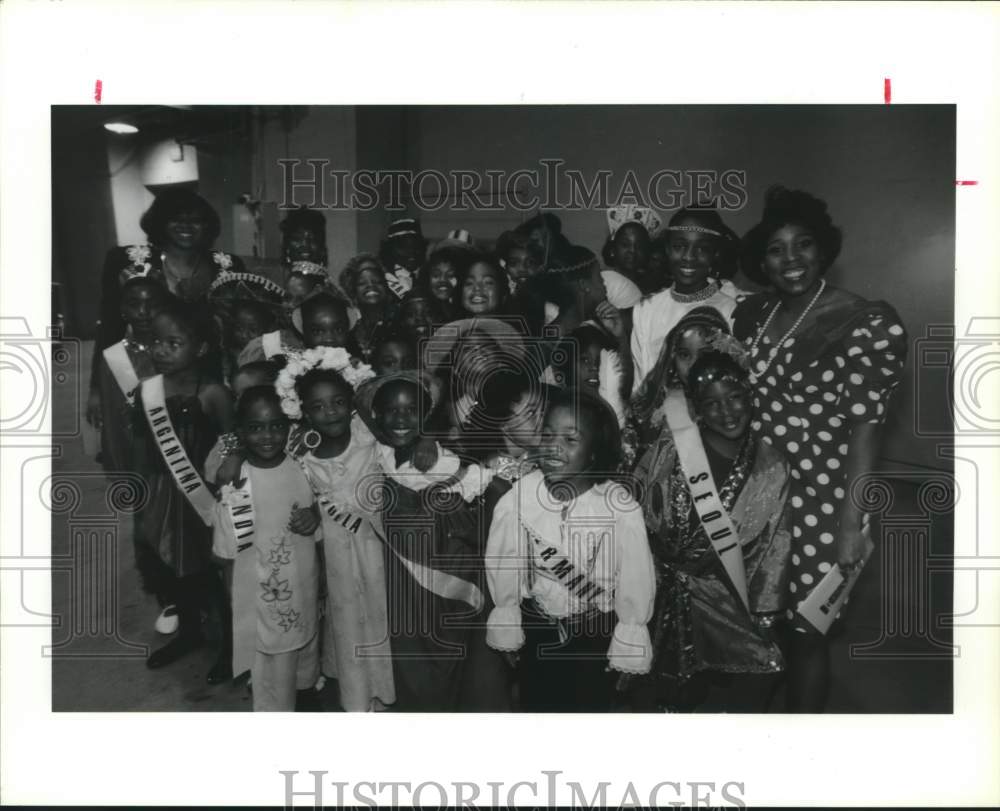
pixel 644 216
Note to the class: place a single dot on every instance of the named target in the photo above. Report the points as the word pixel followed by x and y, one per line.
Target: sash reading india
pixel 186 476
pixel 433 580
pixel 705 496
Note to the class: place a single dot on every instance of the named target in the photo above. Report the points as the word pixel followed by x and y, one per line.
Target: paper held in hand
pixel 824 602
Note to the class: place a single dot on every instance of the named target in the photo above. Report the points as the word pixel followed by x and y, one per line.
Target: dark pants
pixel 567 670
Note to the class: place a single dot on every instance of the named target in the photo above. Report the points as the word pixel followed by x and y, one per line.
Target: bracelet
pixel 230 444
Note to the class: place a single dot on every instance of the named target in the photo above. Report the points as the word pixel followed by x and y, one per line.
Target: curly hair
pixel 789 207
pixel 352 270
pixel 171 202
pixel 488 259
pixel 509 240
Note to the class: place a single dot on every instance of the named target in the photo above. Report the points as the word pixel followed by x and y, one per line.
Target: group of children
pixel 455 480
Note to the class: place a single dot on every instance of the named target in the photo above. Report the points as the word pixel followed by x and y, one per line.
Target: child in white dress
pixel 342 470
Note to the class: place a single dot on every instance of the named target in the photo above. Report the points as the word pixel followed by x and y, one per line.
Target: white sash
pixel 245 586
pixel 562 570
pixel 235 533
pixel 185 474
pixel 435 581
pixel 121 368
pixel 704 494
pixel 270 342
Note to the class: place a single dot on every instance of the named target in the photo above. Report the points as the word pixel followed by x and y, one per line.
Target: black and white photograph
pixel 380 417
pixel 526 424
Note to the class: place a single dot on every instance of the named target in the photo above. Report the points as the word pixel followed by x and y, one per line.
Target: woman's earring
pixel 311 439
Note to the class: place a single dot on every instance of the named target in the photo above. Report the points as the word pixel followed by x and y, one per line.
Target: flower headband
pixel 335 358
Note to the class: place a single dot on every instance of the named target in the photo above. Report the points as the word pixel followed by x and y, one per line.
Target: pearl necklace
pixel 698 295
pixel 754 374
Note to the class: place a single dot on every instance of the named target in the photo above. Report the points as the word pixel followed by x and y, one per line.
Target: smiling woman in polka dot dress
pixel 824 363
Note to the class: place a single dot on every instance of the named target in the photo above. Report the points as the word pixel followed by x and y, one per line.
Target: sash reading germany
pixel 186 476
pixel 704 494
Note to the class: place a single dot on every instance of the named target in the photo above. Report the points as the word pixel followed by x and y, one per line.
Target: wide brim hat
pixel 438 351
pixel 364 397
pixel 230 284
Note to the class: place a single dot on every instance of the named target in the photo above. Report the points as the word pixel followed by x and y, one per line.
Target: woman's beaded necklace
pixel 706 292
pixel 754 374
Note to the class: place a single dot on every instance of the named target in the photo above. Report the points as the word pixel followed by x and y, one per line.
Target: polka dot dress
pixel 820 385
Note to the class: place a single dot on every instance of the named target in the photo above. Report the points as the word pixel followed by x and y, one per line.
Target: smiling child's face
pixel 398 413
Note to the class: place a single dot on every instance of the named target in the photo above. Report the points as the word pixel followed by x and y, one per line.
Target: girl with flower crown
pixel 339 461
pixel 713 498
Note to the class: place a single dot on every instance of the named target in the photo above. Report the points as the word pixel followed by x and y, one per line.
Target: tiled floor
pixel 105 622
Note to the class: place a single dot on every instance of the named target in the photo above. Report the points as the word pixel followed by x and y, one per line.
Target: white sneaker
pixel 167 623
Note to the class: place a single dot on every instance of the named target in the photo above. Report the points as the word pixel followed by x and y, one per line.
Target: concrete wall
pixel 887 173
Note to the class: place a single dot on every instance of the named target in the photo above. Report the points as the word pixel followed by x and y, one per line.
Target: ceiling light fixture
pixel 121 128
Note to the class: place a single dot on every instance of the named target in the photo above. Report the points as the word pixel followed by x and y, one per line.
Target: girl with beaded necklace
pixel 696 254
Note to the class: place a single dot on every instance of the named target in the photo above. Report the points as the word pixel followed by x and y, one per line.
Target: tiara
pixel 619 215
pixel 335 358
pixel 307 268
pixel 695 228
pixel 710 376
pixel 230 277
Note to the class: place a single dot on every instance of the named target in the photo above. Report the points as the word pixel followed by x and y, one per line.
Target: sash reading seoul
pixel 704 494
